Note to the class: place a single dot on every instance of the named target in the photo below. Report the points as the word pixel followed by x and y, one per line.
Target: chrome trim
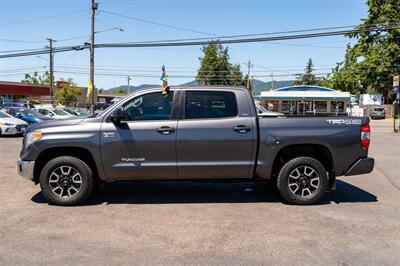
pixel 25 169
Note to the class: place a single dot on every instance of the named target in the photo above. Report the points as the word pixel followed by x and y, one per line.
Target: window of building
pixel 288 106
pixel 210 104
pixel 152 106
pixel 320 106
pixel 337 106
pixel 272 105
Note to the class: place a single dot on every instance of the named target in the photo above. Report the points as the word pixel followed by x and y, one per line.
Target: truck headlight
pixel 32 137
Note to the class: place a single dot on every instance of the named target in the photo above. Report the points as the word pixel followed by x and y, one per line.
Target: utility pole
pixel 94 8
pixel 129 87
pixel 51 81
pixel 248 76
pixel 272 81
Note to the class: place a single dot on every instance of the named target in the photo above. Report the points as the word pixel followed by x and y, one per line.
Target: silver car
pixel 10 125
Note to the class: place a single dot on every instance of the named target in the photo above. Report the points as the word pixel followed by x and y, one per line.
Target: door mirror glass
pixel 117 115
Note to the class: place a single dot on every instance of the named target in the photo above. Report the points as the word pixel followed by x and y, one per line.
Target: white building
pixel 304 99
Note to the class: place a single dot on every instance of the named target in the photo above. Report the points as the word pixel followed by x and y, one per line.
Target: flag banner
pixel 89 91
pixel 164 79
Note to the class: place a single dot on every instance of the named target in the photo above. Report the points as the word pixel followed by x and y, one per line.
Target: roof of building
pixel 19 88
pixel 304 88
pixel 304 92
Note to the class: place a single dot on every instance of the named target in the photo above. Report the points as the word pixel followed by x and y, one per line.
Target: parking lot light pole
pixel 94 8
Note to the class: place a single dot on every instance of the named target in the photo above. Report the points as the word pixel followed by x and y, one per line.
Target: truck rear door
pixel 216 135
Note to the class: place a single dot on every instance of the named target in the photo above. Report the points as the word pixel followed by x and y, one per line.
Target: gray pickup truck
pixel 194 133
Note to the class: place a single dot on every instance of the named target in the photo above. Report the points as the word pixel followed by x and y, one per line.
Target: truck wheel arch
pixel 317 151
pixel 51 153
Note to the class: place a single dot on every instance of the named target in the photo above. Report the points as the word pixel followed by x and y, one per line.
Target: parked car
pixel 77 111
pixel 377 112
pixel 30 116
pixel 101 106
pixel 182 136
pixel 55 113
pixel 261 111
pixel 10 125
pixel 16 104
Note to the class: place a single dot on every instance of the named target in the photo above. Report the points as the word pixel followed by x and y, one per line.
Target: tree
pixel 66 94
pixel 372 62
pixel 119 91
pixel 35 78
pixel 215 68
pixel 308 77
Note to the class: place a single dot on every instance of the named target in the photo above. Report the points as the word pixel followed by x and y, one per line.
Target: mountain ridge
pixel 258 86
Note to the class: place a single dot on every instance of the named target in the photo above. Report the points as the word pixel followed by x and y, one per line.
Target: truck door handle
pixel 165 130
pixel 241 129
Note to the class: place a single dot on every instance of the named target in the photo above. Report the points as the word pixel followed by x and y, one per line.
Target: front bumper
pixel 361 166
pixel 13 130
pixel 25 169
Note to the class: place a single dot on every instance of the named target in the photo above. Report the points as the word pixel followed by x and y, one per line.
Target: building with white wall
pixel 305 100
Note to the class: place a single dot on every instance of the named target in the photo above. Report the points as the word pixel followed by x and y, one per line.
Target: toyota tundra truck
pixel 194 133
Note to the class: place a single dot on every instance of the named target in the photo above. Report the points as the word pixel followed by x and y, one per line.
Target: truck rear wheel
pixel 66 181
pixel 302 181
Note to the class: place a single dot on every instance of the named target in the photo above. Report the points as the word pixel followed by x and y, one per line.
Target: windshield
pixel 262 109
pixel 379 109
pixel 102 112
pixel 4 115
pixel 31 112
pixel 60 112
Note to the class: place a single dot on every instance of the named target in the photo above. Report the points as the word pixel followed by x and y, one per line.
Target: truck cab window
pixel 209 104
pixel 152 106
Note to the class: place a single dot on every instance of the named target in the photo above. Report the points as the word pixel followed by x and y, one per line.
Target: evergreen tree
pixel 215 68
pixel 308 77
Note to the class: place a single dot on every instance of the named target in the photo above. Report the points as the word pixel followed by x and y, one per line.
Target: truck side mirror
pixel 117 115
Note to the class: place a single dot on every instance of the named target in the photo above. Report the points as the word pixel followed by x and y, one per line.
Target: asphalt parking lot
pixel 202 223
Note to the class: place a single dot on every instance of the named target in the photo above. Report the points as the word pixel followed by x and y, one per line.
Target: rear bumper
pixel 361 166
pixel 25 169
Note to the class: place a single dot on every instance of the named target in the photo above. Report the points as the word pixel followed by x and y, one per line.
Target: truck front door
pixel 216 137
pixel 144 144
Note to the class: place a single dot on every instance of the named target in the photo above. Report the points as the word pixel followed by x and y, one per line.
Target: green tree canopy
pixel 119 91
pixel 215 68
pixel 374 60
pixel 66 95
pixel 35 78
pixel 308 77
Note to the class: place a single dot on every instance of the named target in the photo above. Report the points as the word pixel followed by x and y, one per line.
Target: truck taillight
pixel 365 136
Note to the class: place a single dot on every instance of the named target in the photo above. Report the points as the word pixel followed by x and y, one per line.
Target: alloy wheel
pixel 304 181
pixel 65 181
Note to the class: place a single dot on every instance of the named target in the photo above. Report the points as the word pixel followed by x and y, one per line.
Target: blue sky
pixel 21 21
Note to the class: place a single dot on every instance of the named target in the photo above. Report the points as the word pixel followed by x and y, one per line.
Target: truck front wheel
pixel 302 180
pixel 66 181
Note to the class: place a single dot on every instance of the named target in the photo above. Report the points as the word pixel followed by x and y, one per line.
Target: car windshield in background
pixel 31 112
pixel 379 109
pixel 60 112
pixel 103 111
pixel 4 115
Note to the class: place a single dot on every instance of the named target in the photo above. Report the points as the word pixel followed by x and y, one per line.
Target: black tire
pixel 85 188
pixel 287 183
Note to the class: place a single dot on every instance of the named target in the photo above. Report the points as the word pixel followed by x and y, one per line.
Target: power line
pixel 20 41
pixel 158 24
pixel 42 18
pixel 152 44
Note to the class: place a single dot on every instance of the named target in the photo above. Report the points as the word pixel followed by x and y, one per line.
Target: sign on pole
pixel 396 80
